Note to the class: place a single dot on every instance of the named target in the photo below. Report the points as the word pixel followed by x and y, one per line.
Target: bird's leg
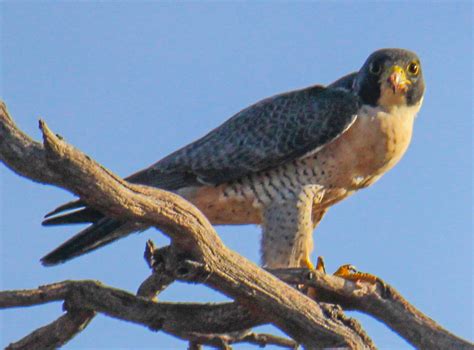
pixel 316 217
pixel 287 239
pixel 288 226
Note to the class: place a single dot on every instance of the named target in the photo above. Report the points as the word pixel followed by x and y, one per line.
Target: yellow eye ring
pixel 413 68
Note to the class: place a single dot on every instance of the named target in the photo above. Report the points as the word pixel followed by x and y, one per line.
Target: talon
pixel 320 266
pixel 306 262
pixel 345 271
pixel 350 273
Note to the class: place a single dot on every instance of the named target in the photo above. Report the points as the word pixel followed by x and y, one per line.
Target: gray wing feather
pixel 262 136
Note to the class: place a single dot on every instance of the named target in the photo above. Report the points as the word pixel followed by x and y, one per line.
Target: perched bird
pixel 282 162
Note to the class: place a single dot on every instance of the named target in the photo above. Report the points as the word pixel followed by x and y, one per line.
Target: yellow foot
pixel 350 273
pixel 306 262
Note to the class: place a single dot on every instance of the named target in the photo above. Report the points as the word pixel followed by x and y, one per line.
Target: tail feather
pixel 67 206
pixel 80 216
pixel 103 232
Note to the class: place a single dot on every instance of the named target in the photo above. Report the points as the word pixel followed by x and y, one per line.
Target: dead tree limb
pixel 381 301
pixel 190 232
pixel 197 254
pixel 171 317
pixel 22 154
pixel 57 333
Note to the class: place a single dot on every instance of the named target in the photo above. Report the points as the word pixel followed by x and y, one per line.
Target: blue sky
pixel 128 83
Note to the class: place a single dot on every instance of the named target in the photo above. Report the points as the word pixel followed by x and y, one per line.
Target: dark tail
pixel 98 234
pixel 104 230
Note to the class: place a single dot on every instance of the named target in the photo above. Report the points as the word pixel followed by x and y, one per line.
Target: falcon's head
pixel 391 78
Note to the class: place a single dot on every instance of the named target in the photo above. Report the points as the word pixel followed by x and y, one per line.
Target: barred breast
pixel 372 145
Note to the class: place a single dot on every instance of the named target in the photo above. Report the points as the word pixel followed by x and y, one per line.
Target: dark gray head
pixel 391 78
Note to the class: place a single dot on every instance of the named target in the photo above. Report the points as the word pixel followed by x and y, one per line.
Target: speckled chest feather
pixel 371 146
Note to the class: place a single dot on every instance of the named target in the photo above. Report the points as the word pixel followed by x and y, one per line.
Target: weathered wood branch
pixel 180 319
pixel 57 333
pixel 22 154
pixel 224 341
pixel 159 279
pixel 198 255
pixel 381 301
pixel 210 324
pixel 191 234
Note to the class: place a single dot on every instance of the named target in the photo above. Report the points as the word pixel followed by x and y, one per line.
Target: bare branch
pixel 206 260
pixel 175 318
pixel 381 301
pixel 57 333
pixel 223 341
pixel 159 279
pixel 28 297
pixel 266 339
pixel 21 154
pixel 191 234
pixel 198 255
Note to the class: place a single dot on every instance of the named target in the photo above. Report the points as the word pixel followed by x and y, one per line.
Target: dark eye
pixel 375 68
pixel 413 68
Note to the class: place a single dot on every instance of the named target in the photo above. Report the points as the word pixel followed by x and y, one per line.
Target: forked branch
pixel 191 233
pixel 196 254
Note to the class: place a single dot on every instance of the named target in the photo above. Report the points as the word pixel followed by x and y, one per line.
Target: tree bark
pixel 259 297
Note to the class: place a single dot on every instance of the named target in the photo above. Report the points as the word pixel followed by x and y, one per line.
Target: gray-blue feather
pixel 265 135
pixel 262 136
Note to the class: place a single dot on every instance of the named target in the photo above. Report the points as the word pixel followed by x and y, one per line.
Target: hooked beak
pixel 398 80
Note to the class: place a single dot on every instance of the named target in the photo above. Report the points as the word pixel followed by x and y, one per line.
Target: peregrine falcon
pixel 282 162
